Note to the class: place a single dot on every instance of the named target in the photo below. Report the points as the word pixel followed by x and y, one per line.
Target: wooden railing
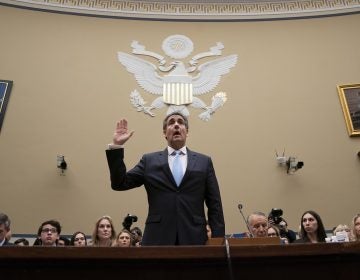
pixel 293 261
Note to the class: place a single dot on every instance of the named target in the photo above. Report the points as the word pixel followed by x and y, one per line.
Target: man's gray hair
pixel 255 214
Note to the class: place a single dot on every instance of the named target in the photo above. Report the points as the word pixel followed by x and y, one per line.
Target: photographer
pixel 136 233
pixel 275 218
pixel 128 221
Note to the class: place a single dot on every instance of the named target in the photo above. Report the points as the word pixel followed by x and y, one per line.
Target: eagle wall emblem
pixel 177 84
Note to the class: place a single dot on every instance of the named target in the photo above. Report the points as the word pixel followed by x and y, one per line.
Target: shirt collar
pixel 171 150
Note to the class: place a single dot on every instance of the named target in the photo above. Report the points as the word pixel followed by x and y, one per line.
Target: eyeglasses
pixel 46 230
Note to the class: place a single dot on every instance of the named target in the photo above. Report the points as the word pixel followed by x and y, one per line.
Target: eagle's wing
pixel 144 72
pixel 211 72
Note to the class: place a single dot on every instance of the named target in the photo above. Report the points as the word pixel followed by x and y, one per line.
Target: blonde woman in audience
pixel 343 229
pixel 104 234
pixel 124 239
pixel 355 228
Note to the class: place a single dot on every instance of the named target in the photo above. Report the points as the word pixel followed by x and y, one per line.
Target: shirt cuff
pixel 115 146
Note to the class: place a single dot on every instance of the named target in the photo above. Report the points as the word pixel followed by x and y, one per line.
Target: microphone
pixel 240 206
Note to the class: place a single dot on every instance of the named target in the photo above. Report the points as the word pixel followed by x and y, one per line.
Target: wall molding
pixel 230 10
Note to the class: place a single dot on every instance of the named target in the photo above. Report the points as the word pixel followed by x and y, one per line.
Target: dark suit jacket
pixel 176 214
pixel 7 243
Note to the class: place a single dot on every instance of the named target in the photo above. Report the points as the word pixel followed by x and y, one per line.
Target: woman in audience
pixel 355 228
pixel 312 228
pixel 124 239
pixel 78 239
pixel 343 232
pixel 104 233
pixel 273 231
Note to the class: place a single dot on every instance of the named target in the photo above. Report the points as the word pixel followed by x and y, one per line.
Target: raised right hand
pixel 121 134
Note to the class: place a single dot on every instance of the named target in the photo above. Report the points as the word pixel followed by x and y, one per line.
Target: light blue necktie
pixel 177 169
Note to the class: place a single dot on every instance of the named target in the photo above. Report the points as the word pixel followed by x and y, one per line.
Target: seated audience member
pixel 21 242
pixel 124 239
pixel 273 231
pixel 104 234
pixel 355 228
pixel 282 225
pixel 343 230
pixel 49 233
pixel 78 239
pixel 289 234
pixel 137 236
pixel 5 230
pixel 312 228
pixel 258 224
pixel 63 241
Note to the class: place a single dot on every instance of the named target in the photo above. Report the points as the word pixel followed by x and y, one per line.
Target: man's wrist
pixel 115 146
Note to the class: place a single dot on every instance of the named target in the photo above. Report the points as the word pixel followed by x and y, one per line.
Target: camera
pixel 275 215
pixel 128 221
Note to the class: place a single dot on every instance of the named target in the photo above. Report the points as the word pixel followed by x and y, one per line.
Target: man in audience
pixel 137 234
pixel 4 230
pixel 49 233
pixel 258 224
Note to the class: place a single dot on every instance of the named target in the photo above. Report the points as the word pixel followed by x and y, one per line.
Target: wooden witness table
pixel 240 261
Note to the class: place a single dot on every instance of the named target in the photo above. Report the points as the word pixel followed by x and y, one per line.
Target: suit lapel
pixel 191 160
pixel 163 158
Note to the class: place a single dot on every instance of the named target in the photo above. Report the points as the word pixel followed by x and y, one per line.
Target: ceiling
pixel 196 10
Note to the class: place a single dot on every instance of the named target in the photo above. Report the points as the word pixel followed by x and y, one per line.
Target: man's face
pixel 176 132
pixel 258 225
pixel 49 235
pixel 3 232
pixel 136 235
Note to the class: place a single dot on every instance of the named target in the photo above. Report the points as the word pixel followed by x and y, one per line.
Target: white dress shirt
pixel 183 158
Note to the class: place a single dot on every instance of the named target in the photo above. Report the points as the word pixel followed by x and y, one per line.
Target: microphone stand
pixel 247 224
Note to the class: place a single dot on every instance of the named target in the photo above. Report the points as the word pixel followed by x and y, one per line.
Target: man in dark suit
pixel 176 209
pixel 4 230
